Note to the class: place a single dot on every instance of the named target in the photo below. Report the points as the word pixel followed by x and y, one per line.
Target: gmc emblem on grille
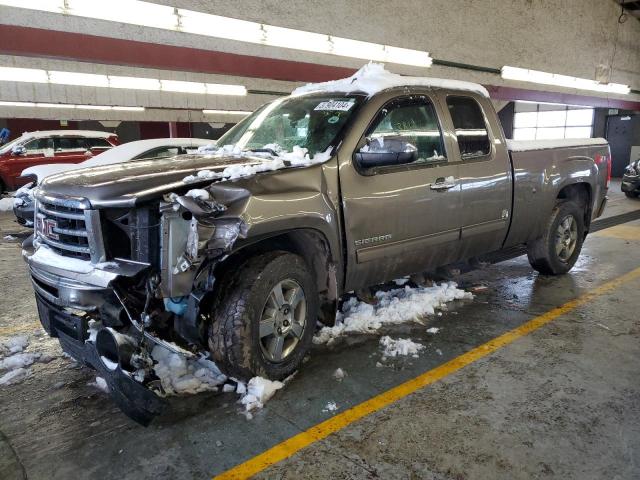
pixel 46 226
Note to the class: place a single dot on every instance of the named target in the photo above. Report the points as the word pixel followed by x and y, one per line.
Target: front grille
pixel 68 227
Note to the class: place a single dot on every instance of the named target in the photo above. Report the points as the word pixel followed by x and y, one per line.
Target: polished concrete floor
pixel 561 402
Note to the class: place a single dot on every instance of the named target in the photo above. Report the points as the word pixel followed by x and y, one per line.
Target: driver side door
pixel 401 212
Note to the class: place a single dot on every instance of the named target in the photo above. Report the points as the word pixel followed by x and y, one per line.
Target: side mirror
pixel 390 151
pixel 19 150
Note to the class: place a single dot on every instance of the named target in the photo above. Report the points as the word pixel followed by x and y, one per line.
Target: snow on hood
pixel 120 154
pixel 373 78
pixel 298 157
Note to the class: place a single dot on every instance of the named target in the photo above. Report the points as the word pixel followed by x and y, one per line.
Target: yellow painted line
pixel 624 232
pixel 322 430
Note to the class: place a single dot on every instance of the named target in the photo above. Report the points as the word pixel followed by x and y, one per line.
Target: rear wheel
pixel 264 317
pixel 558 249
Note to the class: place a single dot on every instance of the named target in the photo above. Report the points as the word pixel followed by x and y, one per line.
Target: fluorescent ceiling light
pixel 148 14
pixel 72 106
pixel 184 87
pixel 79 79
pixel 226 112
pixel 33 75
pixel 544 78
pixel 17 104
pixel 134 83
pixel 13 74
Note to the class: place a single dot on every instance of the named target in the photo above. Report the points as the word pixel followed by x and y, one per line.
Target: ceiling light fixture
pixel 34 75
pixel 544 78
pixel 72 106
pixel 146 14
pixel 226 112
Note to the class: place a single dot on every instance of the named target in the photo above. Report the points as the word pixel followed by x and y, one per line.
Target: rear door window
pixel 470 127
pixel 70 144
pixel 97 143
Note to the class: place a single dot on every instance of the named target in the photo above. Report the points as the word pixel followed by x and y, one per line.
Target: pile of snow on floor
pixel 181 375
pixel 14 362
pixel 393 307
pixel 402 347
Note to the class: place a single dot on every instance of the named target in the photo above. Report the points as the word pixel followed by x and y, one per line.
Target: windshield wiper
pixel 264 150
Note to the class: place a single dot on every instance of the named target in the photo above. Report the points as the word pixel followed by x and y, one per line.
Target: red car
pixel 53 146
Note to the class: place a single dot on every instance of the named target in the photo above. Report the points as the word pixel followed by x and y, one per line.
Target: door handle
pixel 443 184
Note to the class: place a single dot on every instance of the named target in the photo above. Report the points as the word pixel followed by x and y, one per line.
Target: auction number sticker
pixel 335 105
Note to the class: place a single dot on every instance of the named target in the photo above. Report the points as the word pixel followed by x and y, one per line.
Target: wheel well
pixel 312 246
pixel 580 192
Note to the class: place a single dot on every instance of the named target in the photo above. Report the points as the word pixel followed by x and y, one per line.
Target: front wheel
pixel 557 250
pixel 631 194
pixel 264 317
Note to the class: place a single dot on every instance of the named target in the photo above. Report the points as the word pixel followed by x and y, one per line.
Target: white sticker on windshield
pixel 335 105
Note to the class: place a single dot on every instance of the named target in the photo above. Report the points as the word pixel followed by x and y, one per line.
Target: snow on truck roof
pixel 66 133
pixel 373 78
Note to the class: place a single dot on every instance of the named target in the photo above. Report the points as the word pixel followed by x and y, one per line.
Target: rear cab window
pixel 470 127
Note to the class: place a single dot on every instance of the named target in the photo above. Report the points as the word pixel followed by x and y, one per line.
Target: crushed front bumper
pixel 630 183
pixel 64 297
pixel 133 398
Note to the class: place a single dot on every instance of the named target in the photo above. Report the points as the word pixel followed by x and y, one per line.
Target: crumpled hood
pixel 129 183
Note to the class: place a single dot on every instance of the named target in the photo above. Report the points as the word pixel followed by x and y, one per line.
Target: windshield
pixel 8 146
pixel 311 122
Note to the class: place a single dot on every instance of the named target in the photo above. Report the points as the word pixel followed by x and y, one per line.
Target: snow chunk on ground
pixel 6 204
pixel 339 374
pixel 330 407
pixel 18 360
pixel 14 376
pixel 9 238
pixel 433 330
pixel 180 375
pixel 373 78
pixel 402 347
pixel 394 307
pixel 100 383
pixel 14 344
pixel 259 391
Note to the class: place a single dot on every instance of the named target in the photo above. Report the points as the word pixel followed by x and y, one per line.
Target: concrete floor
pixel 562 402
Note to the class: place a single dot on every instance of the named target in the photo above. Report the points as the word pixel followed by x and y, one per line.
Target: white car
pixel 141 149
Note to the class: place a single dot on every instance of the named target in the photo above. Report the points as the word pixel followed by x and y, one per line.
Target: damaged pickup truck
pixel 239 251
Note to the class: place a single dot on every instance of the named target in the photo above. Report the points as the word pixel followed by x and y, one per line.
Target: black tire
pixel 631 194
pixel 542 252
pixel 234 334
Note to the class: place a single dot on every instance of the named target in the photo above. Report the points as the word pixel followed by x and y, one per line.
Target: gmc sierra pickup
pixel 238 251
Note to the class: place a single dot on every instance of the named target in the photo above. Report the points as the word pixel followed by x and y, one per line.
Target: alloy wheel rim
pixel 566 238
pixel 283 319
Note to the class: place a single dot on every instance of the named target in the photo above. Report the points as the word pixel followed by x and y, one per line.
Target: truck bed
pixel 542 168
